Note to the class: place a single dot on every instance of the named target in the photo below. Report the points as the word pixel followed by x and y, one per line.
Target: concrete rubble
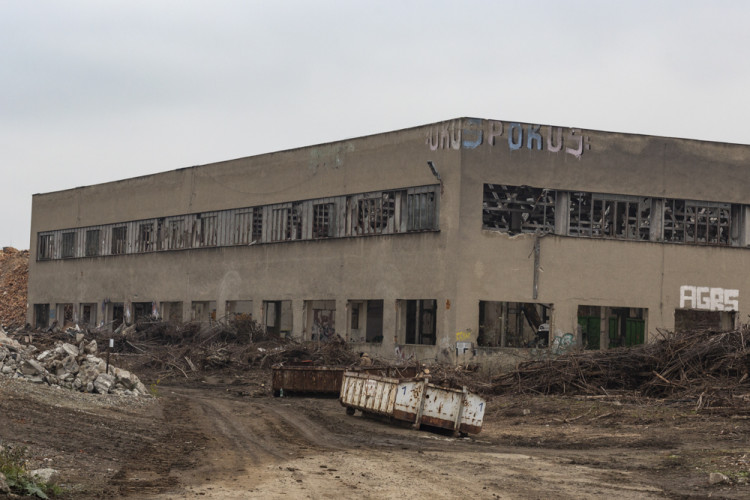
pixel 66 365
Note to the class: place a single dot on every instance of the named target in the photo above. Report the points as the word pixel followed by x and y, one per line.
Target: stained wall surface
pixel 457 264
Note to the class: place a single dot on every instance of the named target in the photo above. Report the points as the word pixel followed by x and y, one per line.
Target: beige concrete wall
pixel 458 266
pixel 587 271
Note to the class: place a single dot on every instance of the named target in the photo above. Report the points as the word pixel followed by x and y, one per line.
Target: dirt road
pixel 213 441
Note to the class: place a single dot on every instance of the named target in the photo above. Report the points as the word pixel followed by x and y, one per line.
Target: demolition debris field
pixel 575 426
pixel 669 419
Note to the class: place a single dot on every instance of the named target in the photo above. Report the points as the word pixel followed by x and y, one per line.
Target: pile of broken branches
pixel 165 349
pixel 700 364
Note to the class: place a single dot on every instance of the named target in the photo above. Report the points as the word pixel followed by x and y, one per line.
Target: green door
pixel 591 330
pixel 614 337
pixel 634 331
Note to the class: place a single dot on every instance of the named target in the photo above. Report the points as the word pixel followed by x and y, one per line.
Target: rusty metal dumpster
pixel 307 379
pixel 413 400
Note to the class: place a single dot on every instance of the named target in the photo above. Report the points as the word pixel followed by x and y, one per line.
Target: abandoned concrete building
pixel 466 236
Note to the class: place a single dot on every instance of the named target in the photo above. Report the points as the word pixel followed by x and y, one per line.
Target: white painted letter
pixel 731 300
pixel 717 299
pixel 703 298
pixel 687 296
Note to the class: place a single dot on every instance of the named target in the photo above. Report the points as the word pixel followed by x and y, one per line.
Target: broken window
pixel 175 234
pixel 697 222
pixel 518 209
pixel 92 242
pixel 322 220
pixel 513 324
pixel 68 249
pixel 146 237
pixel 420 210
pixel 45 251
pixel 419 321
pixel 609 216
pixel 580 214
pixel 248 226
pixel 374 215
pixel 286 223
pixel 119 240
pixel 257 224
pixel 209 230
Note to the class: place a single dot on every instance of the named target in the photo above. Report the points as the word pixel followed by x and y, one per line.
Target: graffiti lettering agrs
pixel 708 298
pixel 472 133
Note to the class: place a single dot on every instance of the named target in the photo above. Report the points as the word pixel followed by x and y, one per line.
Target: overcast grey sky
pixel 94 91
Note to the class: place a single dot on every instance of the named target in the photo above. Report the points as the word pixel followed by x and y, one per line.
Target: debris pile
pixel 163 349
pixel 14 272
pixel 706 365
pixel 66 365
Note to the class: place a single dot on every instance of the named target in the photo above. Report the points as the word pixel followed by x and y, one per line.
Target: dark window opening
pixel 374 323
pixel 420 327
pixel 67 315
pixel 322 220
pixel 146 237
pixel 118 315
pixel 45 251
pixel 41 316
pixel 518 209
pixel 277 317
pixel 68 249
pixel 142 311
pixel 286 224
pixel 513 324
pixel 92 242
pixel 257 224
pixel 88 314
pixel 119 240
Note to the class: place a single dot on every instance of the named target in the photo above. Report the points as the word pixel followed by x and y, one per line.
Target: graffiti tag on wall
pixel 562 343
pixel 463 336
pixel 709 298
pixel 473 133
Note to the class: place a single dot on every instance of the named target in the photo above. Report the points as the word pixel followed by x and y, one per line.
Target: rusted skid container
pixel 307 379
pixel 413 400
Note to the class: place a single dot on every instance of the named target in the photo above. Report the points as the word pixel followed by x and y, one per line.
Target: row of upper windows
pixel 524 209
pixel 381 212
